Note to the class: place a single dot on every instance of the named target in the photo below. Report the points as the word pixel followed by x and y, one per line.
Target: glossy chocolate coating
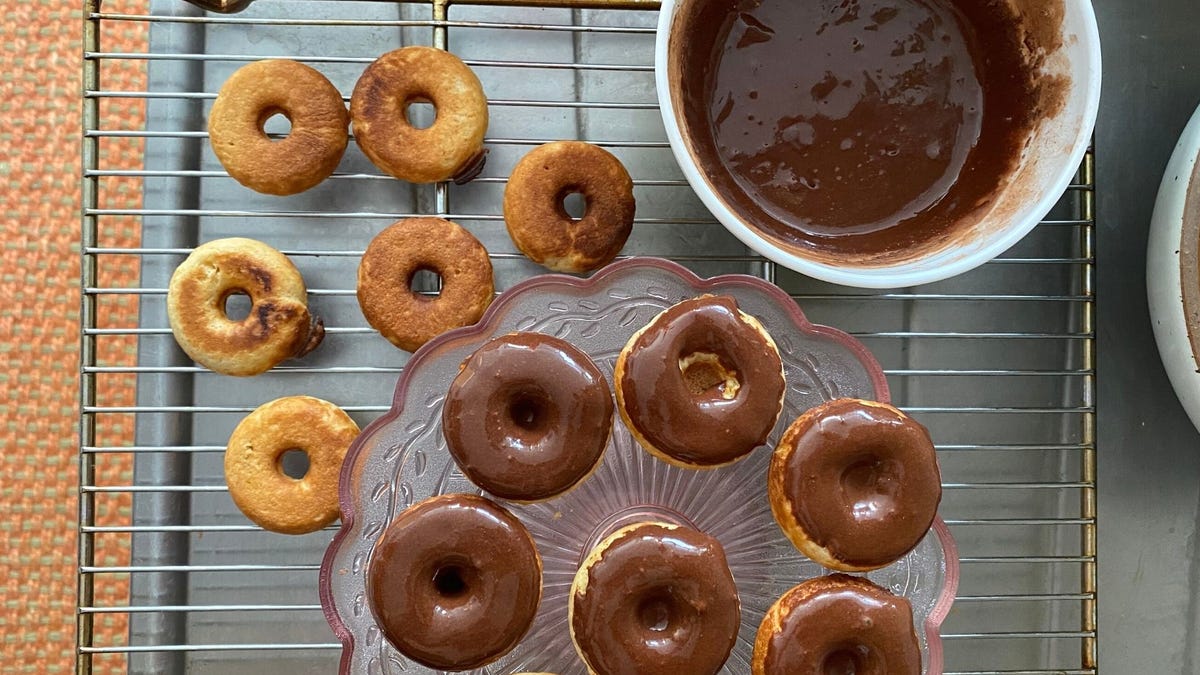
pixel 861 479
pixel 528 416
pixel 657 600
pixel 856 129
pixel 660 400
pixel 839 624
pixel 454 582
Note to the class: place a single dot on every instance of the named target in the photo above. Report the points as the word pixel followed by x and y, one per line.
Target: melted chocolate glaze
pixel 709 427
pixel 528 416
pixel 658 601
pixel 454 582
pixel 855 129
pixel 842 624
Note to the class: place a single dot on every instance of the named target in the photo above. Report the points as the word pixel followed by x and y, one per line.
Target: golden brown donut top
pixel 655 599
pixel 528 416
pixel 861 479
pixel 701 383
pixel 452 145
pixel 409 319
pixel 454 582
pixel 278 325
pixel 307 154
pixel 538 221
pixel 838 624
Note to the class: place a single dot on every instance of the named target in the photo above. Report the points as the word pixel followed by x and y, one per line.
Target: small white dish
pixel 1045 171
pixel 1172 279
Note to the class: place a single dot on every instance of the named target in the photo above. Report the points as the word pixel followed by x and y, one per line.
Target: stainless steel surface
pixel 998 362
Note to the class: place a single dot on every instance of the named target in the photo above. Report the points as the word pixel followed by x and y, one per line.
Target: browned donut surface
pixel 253 463
pixel 451 146
pixel 654 599
pixel 528 417
pixel 278 326
pixel 309 152
pixel 537 219
pixel 854 484
pixel 409 319
pixel 702 385
pixel 837 624
pixel 454 582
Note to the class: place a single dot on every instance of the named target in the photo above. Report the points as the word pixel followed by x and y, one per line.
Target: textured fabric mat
pixel 40 76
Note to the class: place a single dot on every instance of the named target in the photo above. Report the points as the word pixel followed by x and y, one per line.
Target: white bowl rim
pixel 885 276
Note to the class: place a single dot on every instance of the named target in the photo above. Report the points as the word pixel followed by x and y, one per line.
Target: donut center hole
pixel 275 123
pixel 425 281
pixel 236 306
pixel 450 581
pixel 573 205
pixel 870 486
pixel 527 411
pixel 843 662
pixel 706 377
pixel 654 613
pixel 294 463
pixel 420 113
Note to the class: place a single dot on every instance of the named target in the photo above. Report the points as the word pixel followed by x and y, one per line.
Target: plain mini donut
pixel 385 295
pixel 278 326
pixel 538 222
pixel 309 152
pixel 253 470
pixel 452 147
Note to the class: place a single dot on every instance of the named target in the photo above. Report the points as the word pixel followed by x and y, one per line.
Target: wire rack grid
pixel 998 362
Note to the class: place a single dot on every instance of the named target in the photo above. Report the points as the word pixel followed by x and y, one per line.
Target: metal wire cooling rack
pixel 998 362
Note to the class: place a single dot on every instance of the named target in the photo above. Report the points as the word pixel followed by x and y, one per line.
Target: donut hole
pixel 293 463
pixel 425 281
pixel 654 612
pixel 573 204
pixel 275 123
pixel 530 412
pixel 845 661
pixel 237 305
pixel 706 377
pixel 420 113
pixel 870 486
pixel 450 581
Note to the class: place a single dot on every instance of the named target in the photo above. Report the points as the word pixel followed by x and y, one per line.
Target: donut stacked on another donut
pixel 254 471
pixel 702 385
pixel 528 417
pixel 854 484
pixel 451 148
pixel 385 295
pixel 309 152
pixel 537 219
pixel 278 326
pixel 654 599
pixel 454 582
pixel 837 624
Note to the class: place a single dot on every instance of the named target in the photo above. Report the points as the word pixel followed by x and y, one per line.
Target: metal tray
pixel 998 363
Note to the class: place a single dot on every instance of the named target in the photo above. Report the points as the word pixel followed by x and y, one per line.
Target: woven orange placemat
pixel 40 76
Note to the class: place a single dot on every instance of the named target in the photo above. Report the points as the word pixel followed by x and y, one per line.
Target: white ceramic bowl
pixel 1169 235
pixel 1044 173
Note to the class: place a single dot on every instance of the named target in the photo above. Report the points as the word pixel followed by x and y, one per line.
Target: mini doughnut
pixel 854 484
pixel 837 624
pixel 309 152
pixel 451 148
pixel 654 599
pixel 454 582
pixel 701 385
pixel 406 318
pixel 538 221
pixel 528 417
pixel 253 463
pixel 278 326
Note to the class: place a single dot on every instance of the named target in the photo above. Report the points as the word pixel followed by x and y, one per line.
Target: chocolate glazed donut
pixel 854 484
pixel 454 582
pixel 837 624
pixel 654 599
pixel 528 417
pixel 702 385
